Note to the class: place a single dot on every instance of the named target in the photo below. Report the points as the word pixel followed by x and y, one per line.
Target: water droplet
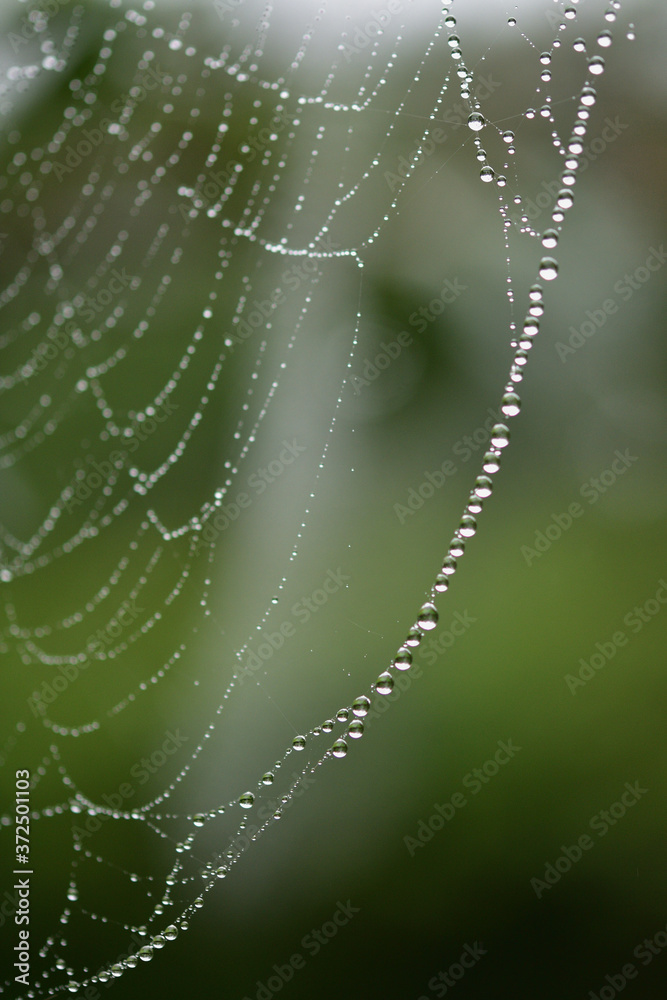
pixel 441 582
pixel 356 729
pixel 454 41
pixel 476 121
pixel 508 136
pixel 548 268
pixel 171 932
pixel 158 941
pixel 342 715
pixel 487 174
pixel 565 198
pixel 550 238
pixel 339 749
pixel 403 658
pixel 327 727
pixel 428 617
pixel 481 155
pixel 510 405
pixel 457 547
pixel 500 436
pixel 299 742
pixel 604 39
pixel 246 800
pixel 483 488
pixel 450 21
pixel 267 779
pixel 73 986
pixel 491 462
pixel 384 684
pixel 596 65
pixel 579 45
pixel 414 636
pixel 588 96
pixel 545 58
pixel 361 706
pixel 468 526
pixel 511 21
pixel 146 953
pixel 199 819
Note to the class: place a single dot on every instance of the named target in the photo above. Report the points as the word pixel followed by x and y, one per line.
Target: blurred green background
pixel 504 678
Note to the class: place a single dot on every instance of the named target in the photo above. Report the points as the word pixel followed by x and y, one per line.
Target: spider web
pixel 267 153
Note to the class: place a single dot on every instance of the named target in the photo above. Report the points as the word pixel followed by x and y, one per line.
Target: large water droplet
pixel 565 198
pixel 299 742
pixel 339 749
pixel 355 729
pixel 428 616
pixel 457 547
pixel 476 121
pixel 483 488
pixel 500 436
pixel 548 268
pixel 384 684
pixel 596 65
pixel 487 174
pixel 361 705
pixel 246 800
pixel 550 238
pixel 510 405
pixel 403 658
pixel 468 526
pixel 491 462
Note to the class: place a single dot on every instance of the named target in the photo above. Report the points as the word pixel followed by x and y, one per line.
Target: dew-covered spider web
pixel 195 208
